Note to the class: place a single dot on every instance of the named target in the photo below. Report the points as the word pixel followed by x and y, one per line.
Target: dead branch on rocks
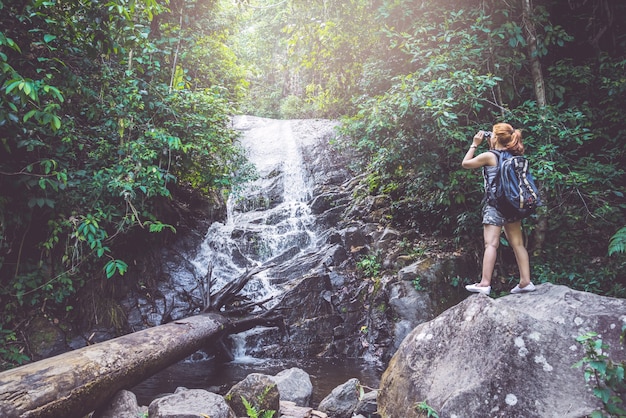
pixel 230 292
pixel 229 303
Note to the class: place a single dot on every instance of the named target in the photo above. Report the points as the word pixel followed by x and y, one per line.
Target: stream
pixel 269 221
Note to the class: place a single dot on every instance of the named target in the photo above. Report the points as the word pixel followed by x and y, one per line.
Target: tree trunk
pixel 540 94
pixel 535 64
pixel 75 383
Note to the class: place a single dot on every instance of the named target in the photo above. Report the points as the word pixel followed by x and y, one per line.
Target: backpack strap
pixel 497 153
pixel 489 184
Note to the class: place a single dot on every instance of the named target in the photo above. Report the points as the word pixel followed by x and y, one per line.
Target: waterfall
pixel 268 220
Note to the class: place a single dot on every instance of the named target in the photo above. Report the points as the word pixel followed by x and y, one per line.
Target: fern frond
pixel 617 244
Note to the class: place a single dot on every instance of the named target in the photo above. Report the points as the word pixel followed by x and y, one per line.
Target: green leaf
pixel 29 115
pixel 602 393
pixel 617 243
pixel 26 87
pixel 600 366
pixel 12 85
pixel 109 269
pixel 55 123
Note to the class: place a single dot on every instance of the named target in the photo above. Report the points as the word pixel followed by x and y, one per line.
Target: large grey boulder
pixel 506 357
pixel 342 401
pixel 122 405
pixel 294 385
pixel 190 403
pixel 259 390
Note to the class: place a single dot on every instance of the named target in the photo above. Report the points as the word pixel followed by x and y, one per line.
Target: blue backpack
pixel 515 194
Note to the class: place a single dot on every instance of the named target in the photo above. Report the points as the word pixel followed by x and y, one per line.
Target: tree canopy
pixel 414 80
pixel 553 70
pixel 107 110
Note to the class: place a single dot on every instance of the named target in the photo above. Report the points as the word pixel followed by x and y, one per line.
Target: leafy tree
pixel 467 66
pixel 102 124
pixel 305 59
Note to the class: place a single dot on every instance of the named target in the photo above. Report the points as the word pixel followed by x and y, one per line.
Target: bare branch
pixel 225 295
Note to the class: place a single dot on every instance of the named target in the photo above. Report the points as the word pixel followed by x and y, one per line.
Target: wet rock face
pixel 301 217
pixel 45 338
pixel 505 357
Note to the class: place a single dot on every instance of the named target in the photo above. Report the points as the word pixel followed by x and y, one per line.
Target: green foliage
pixel 429 410
pixel 105 116
pixel 305 59
pixel 294 107
pixel 606 376
pixel 618 242
pixel 453 69
pixel 578 273
pixel 369 265
pixel 252 411
pixel 409 134
pixel 212 64
pixel 456 281
pixel 11 352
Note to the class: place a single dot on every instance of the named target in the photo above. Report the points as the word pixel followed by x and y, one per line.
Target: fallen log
pixel 75 383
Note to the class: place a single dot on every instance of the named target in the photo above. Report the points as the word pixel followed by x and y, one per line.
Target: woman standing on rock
pixel 503 138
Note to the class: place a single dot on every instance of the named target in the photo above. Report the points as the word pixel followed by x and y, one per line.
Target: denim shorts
pixel 491 216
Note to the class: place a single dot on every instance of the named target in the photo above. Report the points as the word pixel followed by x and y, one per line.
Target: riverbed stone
pixel 342 401
pixel 260 390
pixel 122 405
pixel 190 403
pixel 368 406
pixel 294 385
pixel 506 357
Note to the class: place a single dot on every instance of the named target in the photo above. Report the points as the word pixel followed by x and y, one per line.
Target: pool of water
pixel 326 374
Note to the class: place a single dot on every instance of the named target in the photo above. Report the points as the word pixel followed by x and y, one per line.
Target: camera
pixel 486 134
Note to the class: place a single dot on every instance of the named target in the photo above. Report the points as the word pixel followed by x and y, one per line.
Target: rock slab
pixel 506 357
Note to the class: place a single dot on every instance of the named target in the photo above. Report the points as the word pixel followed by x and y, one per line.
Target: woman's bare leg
pixel 491 234
pixel 515 237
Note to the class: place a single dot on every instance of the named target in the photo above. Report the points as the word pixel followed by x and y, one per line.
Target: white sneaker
pixel 485 290
pixel 528 288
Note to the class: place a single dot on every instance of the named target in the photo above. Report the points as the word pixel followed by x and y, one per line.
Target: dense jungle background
pixel 115 127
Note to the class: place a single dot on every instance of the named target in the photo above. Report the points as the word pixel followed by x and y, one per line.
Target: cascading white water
pixel 266 219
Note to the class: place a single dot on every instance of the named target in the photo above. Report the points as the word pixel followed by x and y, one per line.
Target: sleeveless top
pixel 489 174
